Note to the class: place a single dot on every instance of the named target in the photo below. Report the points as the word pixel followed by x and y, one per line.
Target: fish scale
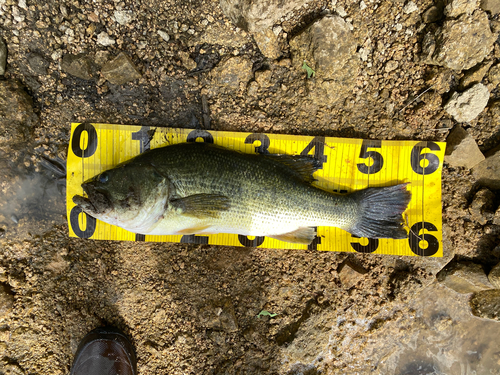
pixel 265 198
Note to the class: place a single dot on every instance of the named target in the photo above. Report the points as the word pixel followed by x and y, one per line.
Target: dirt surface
pixel 192 309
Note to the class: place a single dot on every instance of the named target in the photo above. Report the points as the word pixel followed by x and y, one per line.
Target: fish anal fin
pixel 202 205
pixel 301 166
pixel 302 236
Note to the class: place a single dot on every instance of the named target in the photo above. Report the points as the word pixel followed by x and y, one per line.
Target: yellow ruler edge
pixel 348 165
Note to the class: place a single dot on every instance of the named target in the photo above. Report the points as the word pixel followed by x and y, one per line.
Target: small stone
pixel 455 8
pixel 3 56
pixel 492 6
pixel 362 5
pixel 487 173
pixel 462 149
pixel 163 35
pixel 232 72
pixel 17 15
pixel 341 11
pixel 475 74
pixel 494 75
pixel 267 42
pixel 460 43
pixel 410 7
pixel 464 277
pixel 77 65
pixel 494 275
pixel 391 65
pixel 37 64
pixel 468 105
pixel 123 17
pixel 486 304
pixel 104 39
pixel 433 14
pixel 120 70
pixel 187 61
pixel 363 54
pixel 253 88
pixel 350 275
pixel 481 208
pixel 93 17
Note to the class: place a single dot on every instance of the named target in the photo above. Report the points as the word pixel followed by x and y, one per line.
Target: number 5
pixel 378 160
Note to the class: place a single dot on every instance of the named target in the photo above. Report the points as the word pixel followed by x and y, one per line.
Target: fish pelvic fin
pixel 380 212
pixel 300 166
pixel 302 236
pixel 202 205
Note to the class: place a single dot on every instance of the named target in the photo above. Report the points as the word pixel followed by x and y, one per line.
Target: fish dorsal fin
pixel 202 205
pixel 302 235
pixel 301 166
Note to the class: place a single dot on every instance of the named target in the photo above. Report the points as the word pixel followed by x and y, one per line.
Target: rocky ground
pixel 380 69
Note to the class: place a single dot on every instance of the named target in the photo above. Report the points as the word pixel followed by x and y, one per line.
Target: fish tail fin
pixel 380 212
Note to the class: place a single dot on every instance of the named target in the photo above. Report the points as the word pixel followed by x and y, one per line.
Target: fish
pixel 201 188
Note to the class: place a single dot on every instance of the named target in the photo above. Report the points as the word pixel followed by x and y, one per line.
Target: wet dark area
pixel 33 197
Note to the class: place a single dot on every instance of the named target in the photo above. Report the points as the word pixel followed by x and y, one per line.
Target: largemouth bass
pixel 199 188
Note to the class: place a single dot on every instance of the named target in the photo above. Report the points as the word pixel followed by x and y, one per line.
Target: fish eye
pixel 103 178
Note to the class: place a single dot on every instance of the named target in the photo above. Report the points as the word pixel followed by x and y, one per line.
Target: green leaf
pixel 308 69
pixel 266 313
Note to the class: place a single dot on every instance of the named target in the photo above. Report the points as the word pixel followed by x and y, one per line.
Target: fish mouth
pixel 97 202
pixel 84 203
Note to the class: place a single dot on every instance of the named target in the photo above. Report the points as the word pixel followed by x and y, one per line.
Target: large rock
pixel 120 70
pixel 486 304
pixel 492 6
pixel 464 277
pixel 267 41
pixel 494 275
pixel 258 15
pixel 482 207
pixel 488 171
pixel 460 43
pixel 16 112
pixel 37 64
pixel 77 65
pixel 233 73
pixel 329 48
pixel 468 105
pixel 455 8
pixel 462 149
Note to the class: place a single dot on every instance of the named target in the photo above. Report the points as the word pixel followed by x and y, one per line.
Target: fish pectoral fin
pixel 202 205
pixel 302 235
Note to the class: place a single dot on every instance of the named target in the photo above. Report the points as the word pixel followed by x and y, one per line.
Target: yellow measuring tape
pixel 347 165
